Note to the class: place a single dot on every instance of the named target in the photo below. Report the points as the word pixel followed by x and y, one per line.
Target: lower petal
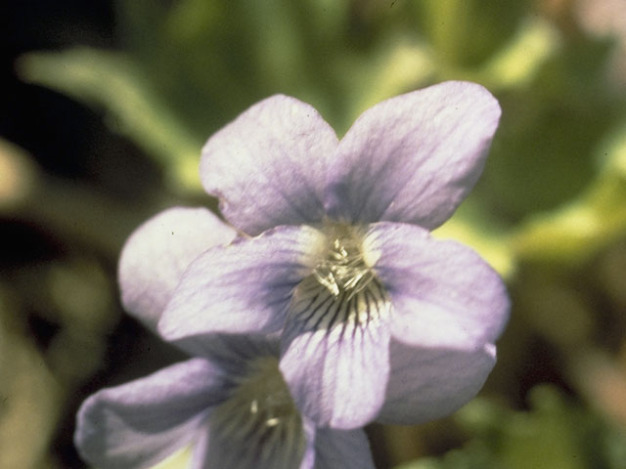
pixel 140 423
pixel 334 362
pixel 426 384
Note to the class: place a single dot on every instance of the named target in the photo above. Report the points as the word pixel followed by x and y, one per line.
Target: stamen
pixel 343 289
pixel 343 270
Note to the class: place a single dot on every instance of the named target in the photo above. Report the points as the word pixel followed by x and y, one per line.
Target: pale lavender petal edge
pixel 427 384
pixel 140 423
pixel 157 253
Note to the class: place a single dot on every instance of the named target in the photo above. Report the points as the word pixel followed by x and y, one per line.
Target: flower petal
pixel 200 456
pixel 244 287
pixel 341 449
pixel 140 423
pixel 158 252
pixel 415 157
pixel 327 355
pixel 443 294
pixel 268 166
pixel 239 442
pixel 427 384
pixel 213 452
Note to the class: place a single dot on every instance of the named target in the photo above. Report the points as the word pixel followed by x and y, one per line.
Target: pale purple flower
pixel 233 407
pixel 230 402
pixel 378 319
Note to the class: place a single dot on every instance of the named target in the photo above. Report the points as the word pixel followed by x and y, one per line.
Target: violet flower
pixel 378 319
pixel 230 402
pixel 233 407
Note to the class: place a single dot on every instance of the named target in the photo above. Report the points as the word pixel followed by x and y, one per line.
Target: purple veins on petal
pixel 259 423
pixel 241 288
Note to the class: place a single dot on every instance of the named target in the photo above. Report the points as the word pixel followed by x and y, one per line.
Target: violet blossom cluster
pixel 323 303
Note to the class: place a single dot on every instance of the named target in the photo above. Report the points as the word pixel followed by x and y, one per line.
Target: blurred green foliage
pixel 553 434
pixel 549 212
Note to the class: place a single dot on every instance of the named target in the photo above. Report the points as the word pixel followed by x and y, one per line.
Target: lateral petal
pixel 444 295
pixel 244 287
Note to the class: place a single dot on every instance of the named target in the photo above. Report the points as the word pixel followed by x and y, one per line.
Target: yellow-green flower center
pixel 343 270
pixel 343 288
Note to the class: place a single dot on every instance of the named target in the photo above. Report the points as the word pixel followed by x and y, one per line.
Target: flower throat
pixel 344 270
pixel 342 289
pixel 261 419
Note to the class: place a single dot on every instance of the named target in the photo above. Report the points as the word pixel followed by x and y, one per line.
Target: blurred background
pixel 106 104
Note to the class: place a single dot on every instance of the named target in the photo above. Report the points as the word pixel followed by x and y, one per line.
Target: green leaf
pixel 110 81
pixel 573 233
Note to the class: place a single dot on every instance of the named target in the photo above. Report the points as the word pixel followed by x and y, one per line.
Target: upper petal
pixel 429 383
pixel 244 287
pixel 443 293
pixel 158 252
pixel 268 166
pixel 342 449
pixel 140 423
pixel 415 157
